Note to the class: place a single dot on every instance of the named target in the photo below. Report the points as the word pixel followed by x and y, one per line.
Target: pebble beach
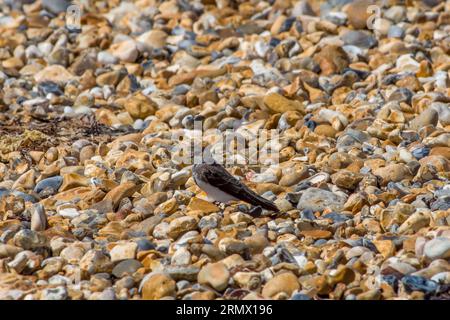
pixel 95 206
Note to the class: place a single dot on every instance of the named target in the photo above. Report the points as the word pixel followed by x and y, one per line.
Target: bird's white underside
pixel 215 193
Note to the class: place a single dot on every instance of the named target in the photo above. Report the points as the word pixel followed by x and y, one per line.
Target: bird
pixel 221 186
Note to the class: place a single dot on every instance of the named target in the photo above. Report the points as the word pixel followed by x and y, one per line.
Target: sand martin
pixel 221 186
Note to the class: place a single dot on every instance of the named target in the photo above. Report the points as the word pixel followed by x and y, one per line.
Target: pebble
pixel 125 51
pixel 359 39
pixel 395 32
pixel 416 283
pixel 181 257
pixel 72 254
pixel 180 225
pixel 56 7
pixel 106 58
pixel 157 287
pixel 29 240
pixel 332 59
pixel 346 179
pixel 438 248
pixel 215 275
pixel 357 13
pixel 414 223
pixel 95 261
pixel 153 39
pixel 69 213
pixel 285 282
pixel 91 185
pixel 48 186
pixel 393 173
pixel 319 199
pixel 38 218
pixel 123 251
pixel 407 64
pixel 277 103
pixel 426 118
pixel 126 267
pixel 57 293
pixel 54 73
pixel 442 277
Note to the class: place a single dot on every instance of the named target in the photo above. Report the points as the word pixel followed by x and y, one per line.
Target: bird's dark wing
pixel 217 176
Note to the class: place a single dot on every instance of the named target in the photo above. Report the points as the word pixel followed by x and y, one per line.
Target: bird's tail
pixel 254 198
